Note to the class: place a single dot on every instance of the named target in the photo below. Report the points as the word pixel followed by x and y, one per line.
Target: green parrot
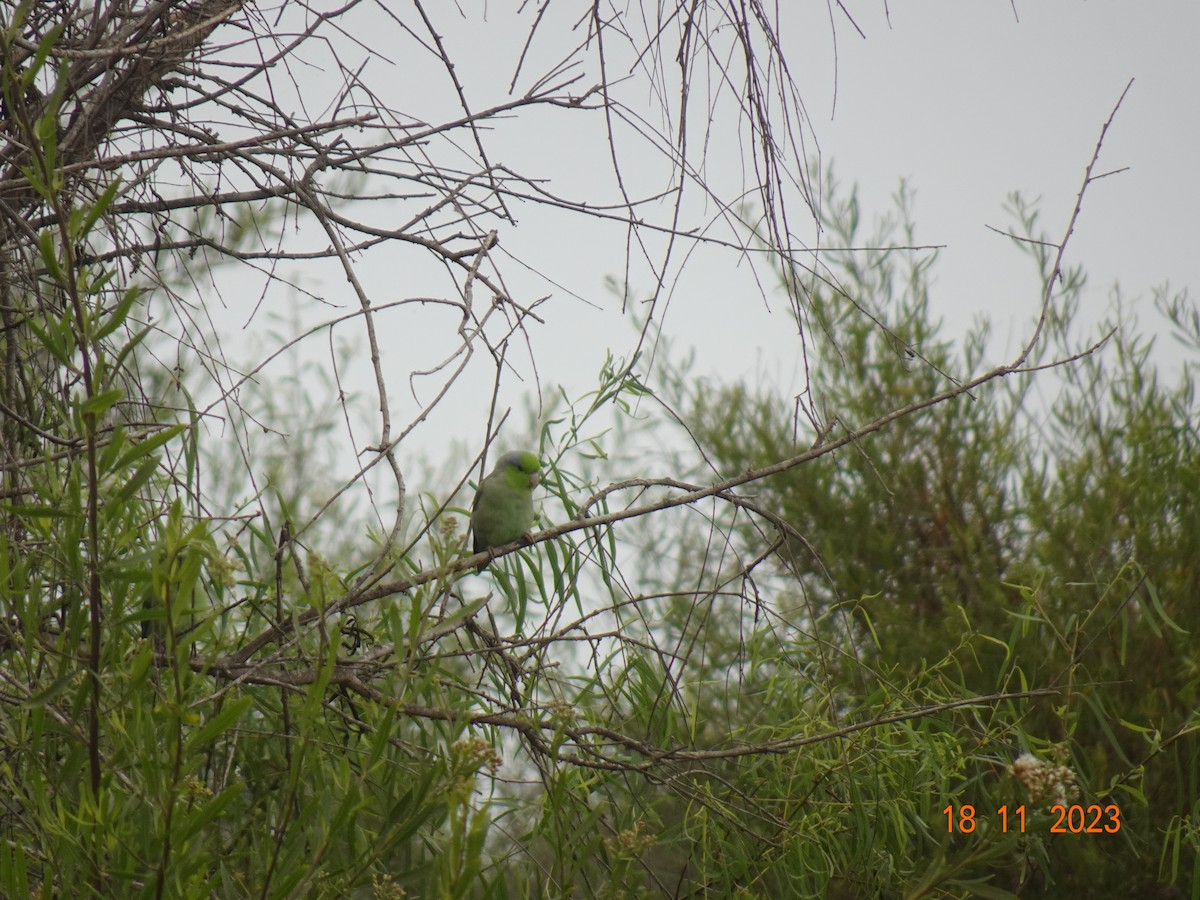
pixel 503 507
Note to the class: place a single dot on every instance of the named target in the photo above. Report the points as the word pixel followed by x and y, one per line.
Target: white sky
pixel 970 104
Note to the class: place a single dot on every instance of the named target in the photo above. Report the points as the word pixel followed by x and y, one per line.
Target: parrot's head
pixel 520 469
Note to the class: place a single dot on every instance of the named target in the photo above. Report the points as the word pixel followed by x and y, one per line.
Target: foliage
pixel 770 685
pixel 995 544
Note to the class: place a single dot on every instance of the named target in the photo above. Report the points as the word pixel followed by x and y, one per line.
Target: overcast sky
pixel 970 103
pixel 966 101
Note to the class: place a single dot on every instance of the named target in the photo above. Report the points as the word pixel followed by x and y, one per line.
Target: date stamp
pixel 1072 819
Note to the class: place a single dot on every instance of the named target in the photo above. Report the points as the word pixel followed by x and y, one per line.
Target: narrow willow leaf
pixel 119 314
pixel 100 403
pixel 149 445
pixel 50 257
pixel 97 209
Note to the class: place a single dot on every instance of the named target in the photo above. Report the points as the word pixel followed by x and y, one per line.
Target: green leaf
pixel 119 314
pixel 50 341
pixel 39 58
pixel 1156 605
pixel 97 284
pixel 204 816
pixel 143 474
pixel 50 257
pixel 35 182
pixel 451 622
pixel 56 687
pixel 100 403
pixel 44 512
pixel 46 132
pixel 97 209
pixel 14 871
pixel 130 346
pixel 149 445
pixel 233 710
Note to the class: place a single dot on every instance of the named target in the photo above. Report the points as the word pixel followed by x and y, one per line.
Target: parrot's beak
pixel 535 479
